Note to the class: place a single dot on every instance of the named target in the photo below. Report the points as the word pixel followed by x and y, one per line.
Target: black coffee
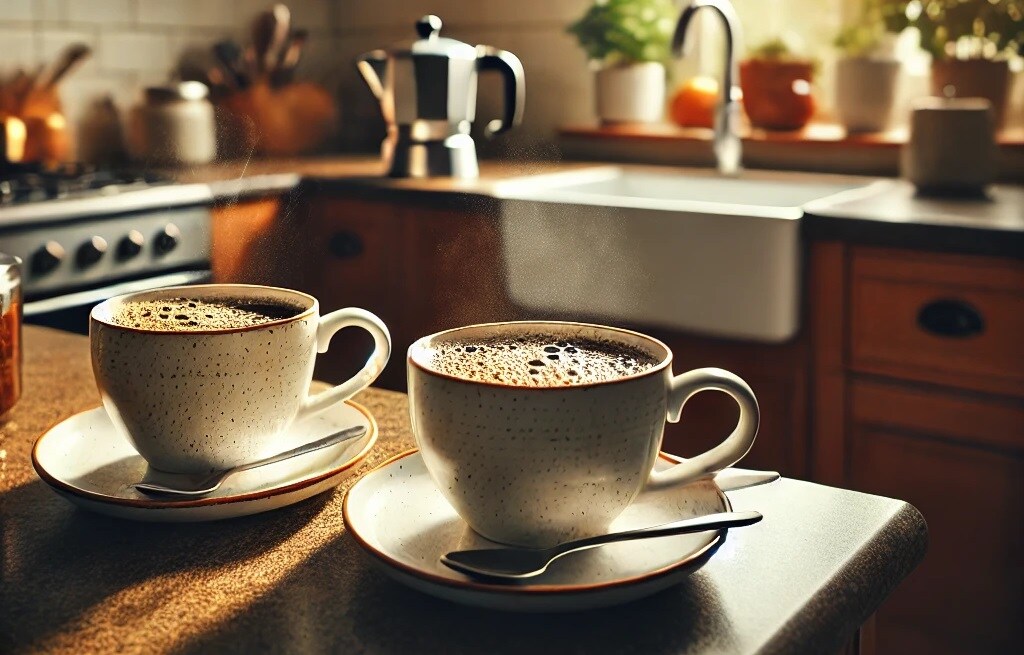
pixel 194 314
pixel 539 360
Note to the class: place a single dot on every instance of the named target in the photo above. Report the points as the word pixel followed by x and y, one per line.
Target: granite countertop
pixel 802 580
pixel 889 213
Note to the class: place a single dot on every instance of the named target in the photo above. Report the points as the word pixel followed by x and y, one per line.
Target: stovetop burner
pixel 23 184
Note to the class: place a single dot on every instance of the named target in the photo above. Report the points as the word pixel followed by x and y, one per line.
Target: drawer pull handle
pixel 950 318
pixel 345 245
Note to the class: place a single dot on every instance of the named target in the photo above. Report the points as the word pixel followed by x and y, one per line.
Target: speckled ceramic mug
pixel 535 466
pixel 197 401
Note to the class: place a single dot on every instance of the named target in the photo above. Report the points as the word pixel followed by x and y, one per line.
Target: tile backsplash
pixel 138 42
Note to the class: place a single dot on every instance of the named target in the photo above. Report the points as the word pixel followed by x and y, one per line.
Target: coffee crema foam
pixel 194 314
pixel 538 360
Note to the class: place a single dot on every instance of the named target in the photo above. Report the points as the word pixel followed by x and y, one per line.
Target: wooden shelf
pixel 823 147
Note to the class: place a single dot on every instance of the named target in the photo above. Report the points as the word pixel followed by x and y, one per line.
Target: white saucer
pixel 85 460
pixel 400 518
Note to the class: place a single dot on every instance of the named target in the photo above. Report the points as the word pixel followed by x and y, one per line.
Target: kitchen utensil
pixel 10 331
pixel 279 39
pixel 229 56
pixel 41 99
pixel 290 58
pixel 173 125
pixel 203 484
pixel 69 58
pixel 269 36
pixel 427 93
pixel 520 563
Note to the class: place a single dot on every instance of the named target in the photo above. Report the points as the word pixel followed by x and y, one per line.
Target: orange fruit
pixel 693 103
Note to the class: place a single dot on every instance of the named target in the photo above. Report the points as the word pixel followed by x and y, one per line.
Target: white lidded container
pixel 173 125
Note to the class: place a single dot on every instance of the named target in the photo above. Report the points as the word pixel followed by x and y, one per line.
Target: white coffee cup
pixel 197 401
pixel 535 466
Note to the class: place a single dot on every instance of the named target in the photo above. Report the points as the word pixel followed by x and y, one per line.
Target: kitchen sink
pixel 674 248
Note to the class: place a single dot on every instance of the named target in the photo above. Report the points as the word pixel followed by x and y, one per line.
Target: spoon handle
pixel 698 524
pixel 330 440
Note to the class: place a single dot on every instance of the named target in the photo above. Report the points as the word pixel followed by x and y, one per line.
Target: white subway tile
pixel 104 12
pixel 51 10
pixel 166 12
pixel 374 13
pixel 18 46
pixel 190 13
pixel 134 51
pixel 16 10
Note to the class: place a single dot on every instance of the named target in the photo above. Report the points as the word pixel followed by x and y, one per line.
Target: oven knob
pixel 167 240
pixel 91 252
pixel 47 258
pixel 131 245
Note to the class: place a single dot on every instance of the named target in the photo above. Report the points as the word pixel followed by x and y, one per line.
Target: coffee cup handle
pixel 684 386
pixel 329 325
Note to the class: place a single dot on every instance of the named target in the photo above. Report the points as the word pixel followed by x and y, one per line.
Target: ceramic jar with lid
pixel 173 125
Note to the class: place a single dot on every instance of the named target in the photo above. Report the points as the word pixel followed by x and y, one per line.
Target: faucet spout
pixel 727 145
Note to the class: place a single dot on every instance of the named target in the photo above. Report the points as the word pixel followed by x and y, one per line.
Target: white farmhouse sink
pixel 672 248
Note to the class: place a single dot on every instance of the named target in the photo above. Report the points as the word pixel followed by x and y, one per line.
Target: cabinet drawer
pixel 950 320
pixel 948 415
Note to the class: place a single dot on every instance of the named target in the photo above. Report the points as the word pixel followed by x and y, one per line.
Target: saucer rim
pixel 135 503
pixel 522 590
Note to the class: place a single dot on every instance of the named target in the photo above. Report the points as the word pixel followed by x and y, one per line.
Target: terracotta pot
pixel 973 78
pixel 777 94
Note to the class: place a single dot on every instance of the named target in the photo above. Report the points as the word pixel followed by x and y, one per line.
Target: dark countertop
pixel 891 215
pixel 802 580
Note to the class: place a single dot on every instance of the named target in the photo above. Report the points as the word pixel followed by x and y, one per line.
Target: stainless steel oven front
pixel 75 258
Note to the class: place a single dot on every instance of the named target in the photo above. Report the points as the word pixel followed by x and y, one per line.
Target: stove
pixel 86 234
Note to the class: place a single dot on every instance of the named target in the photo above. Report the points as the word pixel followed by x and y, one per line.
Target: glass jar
pixel 10 331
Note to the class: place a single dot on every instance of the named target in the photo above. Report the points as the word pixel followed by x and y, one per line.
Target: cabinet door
pixel 456 269
pixel 239 234
pixel 351 255
pixel 967 597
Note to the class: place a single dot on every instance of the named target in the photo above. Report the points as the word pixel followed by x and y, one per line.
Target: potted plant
pixel 628 42
pixel 776 86
pixel 866 74
pixel 969 41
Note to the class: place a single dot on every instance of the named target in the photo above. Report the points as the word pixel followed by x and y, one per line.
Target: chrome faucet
pixel 727 145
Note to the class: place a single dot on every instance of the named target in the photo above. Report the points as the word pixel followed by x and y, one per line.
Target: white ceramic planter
pixel 866 92
pixel 630 93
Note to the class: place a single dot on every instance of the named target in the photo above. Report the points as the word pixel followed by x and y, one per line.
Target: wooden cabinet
pixel 943 319
pixel 421 269
pixel 929 408
pixel 238 232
